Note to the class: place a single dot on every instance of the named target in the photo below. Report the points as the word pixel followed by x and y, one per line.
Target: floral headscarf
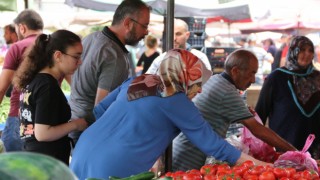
pixel 178 71
pixel 304 83
pixel 292 58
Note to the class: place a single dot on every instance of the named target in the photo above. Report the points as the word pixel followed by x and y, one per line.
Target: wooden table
pixel 252 95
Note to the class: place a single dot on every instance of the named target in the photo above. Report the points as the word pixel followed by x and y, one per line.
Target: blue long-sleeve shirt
pixel 129 136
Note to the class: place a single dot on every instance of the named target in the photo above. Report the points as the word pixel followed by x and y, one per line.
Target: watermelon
pixel 32 166
pixel 2 148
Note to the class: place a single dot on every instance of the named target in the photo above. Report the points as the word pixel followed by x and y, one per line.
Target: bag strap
pixel 308 143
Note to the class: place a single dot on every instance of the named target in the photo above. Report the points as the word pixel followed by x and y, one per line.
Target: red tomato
pixel 168 174
pixel 280 172
pixel 291 171
pixel 267 175
pixel 194 171
pixel 210 177
pixel 224 177
pixel 269 168
pixel 296 175
pixel 239 170
pixel 248 164
pixel 223 169
pixel 178 175
pixel 208 169
pixel 256 170
pixel 236 177
pixel 314 174
pixel 248 176
pixel 192 176
pixel 286 178
pixel 306 174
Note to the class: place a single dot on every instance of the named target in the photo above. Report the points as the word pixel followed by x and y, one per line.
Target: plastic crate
pixel 195 24
pixel 198 25
pixel 197 38
pixel 197 41
pixel 217 57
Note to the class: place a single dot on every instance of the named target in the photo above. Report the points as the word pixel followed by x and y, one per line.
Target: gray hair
pixel 239 58
pixel 30 18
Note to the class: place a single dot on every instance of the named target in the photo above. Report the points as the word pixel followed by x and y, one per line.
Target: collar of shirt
pixel 227 77
pixel 107 32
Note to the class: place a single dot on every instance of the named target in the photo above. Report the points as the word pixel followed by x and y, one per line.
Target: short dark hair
pixel 11 28
pixel 128 8
pixel 30 18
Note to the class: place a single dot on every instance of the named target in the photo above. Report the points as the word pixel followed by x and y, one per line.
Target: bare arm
pixel 5 81
pixel 51 133
pixel 244 157
pixel 267 135
pixel 101 93
pixel 271 58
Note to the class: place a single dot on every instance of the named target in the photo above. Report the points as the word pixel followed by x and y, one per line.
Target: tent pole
pixel 169 45
pixel 169 24
pixel 26 4
pixel 229 33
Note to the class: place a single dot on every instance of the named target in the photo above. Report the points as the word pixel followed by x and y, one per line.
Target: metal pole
pixel 26 4
pixel 169 45
pixel 169 27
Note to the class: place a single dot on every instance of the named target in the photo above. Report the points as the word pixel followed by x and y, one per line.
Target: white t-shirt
pixel 156 63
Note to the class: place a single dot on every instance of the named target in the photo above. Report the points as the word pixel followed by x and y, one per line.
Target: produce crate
pixel 217 57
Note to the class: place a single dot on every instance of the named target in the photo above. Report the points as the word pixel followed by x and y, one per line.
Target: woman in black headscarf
pixel 290 97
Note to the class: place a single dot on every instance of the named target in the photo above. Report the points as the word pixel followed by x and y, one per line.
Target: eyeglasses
pixel 77 58
pixel 144 26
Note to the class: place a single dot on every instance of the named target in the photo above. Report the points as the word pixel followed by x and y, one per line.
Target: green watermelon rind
pixel 34 166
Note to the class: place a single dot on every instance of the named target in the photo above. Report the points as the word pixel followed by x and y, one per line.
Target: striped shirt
pixel 220 104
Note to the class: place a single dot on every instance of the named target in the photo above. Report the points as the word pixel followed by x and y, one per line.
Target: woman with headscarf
pixel 138 120
pixel 290 97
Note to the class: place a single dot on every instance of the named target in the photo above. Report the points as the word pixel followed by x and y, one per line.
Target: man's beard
pixel 131 38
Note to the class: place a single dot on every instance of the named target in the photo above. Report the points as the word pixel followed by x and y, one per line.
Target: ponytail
pixel 41 55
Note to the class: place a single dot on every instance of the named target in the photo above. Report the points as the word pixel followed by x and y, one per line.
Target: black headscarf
pixel 304 81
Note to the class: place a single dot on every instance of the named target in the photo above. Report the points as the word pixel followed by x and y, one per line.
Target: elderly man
pixel 221 104
pixel 106 60
pixel 181 35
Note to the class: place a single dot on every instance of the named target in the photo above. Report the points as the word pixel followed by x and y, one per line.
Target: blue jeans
pixel 11 135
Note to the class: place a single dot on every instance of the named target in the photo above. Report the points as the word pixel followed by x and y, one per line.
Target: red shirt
pixel 12 61
pixel 284 51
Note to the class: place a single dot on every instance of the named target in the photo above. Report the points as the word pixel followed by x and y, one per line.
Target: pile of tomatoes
pixel 245 171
